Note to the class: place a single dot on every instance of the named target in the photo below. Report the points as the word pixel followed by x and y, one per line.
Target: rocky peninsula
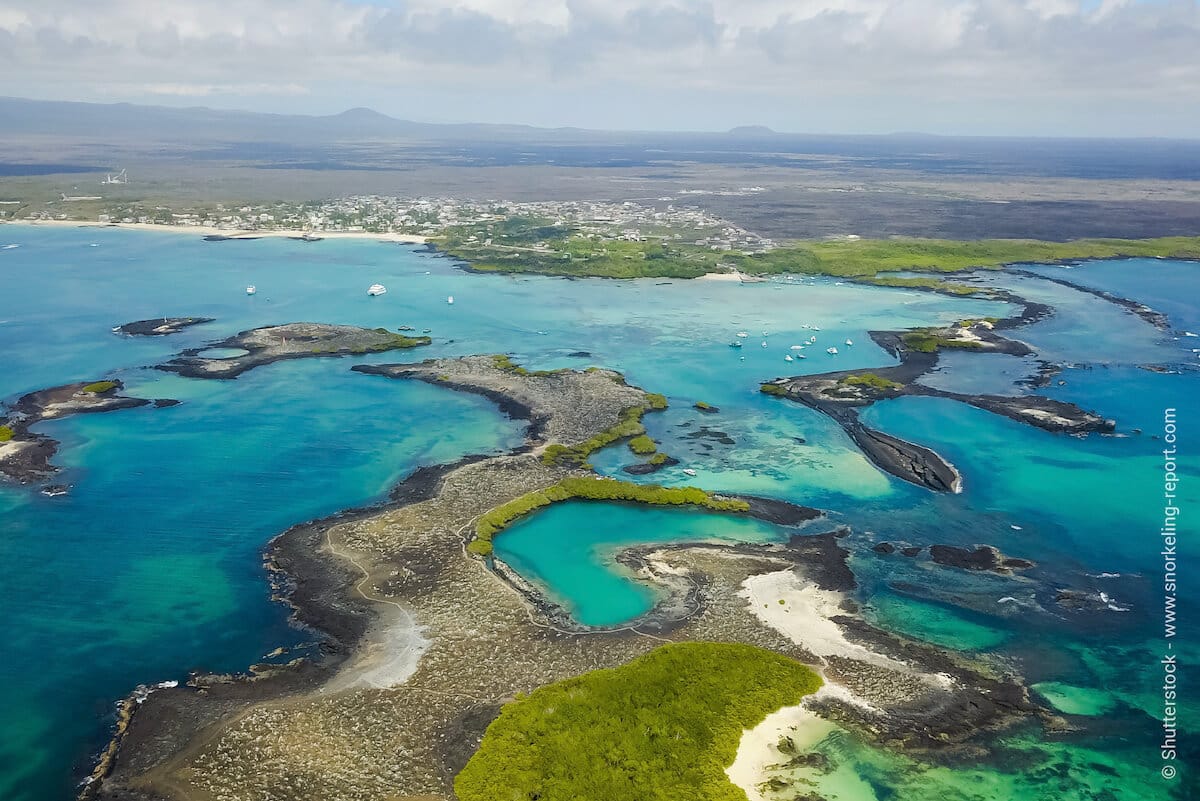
pixel 424 637
pixel 261 346
pixel 25 457
pixel 842 394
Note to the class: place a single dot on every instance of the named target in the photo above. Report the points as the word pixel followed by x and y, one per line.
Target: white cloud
pixel 792 51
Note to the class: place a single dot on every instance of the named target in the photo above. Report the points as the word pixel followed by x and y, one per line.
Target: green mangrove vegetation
pixel 593 489
pixel 927 340
pixel 534 246
pixel 872 381
pixel 100 387
pixel 628 426
pixel 642 445
pixel 506 364
pixel 662 727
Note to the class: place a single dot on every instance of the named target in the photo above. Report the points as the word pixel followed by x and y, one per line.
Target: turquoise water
pixel 571 548
pixel 151 566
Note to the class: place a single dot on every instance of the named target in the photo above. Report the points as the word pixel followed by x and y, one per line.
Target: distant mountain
pixel 748 131
pixel 115 121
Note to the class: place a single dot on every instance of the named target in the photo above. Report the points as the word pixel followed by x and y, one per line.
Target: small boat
pixel 787 358
pixel 798 347
pixel 801 356
pixel 450 300
pixel 250 290
pixel 735 344
pixel 743 334
pixel 812 340
pixel 10 247
pixel 831 351
pixel 764 343
pixel 849 342
pixel 1014 527
pixel 376 289
pixel 689 471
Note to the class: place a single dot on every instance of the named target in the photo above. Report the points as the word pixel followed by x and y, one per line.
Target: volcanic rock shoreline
pixel 25 457
pixel 242 737
pixel 842 394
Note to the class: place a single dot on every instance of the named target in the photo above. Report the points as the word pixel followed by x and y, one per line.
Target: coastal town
pixel 471 221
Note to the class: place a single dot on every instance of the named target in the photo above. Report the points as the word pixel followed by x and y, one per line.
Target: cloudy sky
pixel 1057 67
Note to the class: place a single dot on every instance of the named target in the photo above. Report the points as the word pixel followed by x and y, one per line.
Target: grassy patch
pixel 870 380
pixel 599 489
pixel 6 433
pixel 100 387
pixel 772 389
pixel 642 445
pixel 702 406
pixel 664 726
pixel 659 458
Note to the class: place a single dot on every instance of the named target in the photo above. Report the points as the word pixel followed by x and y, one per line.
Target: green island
pixel 663 726
pixel 628 426
pixel 592 489
pixel 533 245
pixel 100 387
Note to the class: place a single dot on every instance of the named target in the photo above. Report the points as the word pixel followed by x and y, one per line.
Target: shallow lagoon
pixel 151 566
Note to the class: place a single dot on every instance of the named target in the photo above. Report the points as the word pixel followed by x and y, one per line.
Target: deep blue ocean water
pixel 151 566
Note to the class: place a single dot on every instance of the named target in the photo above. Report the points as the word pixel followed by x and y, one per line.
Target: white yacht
pixel 743 334
pixel 849 342
pixel 831 351
pixel 787 358
pixel 250 290
pixel 450 300
pixel 689 471
pixel 376 289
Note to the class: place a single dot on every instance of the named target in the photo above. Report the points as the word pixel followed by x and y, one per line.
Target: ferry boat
pixel 250 290
pixel 376 289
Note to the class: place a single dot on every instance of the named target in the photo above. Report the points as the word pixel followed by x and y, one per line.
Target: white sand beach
pixel 232 233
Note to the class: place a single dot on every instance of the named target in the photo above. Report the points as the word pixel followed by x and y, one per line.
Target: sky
pixel 989 67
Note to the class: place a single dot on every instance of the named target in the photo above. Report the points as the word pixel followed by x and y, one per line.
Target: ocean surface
pixel 151 566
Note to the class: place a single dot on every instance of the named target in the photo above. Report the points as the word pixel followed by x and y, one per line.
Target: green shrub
pixel 6 433
pixel 662 727
pixel 658 458
pixel 100 387
pixel 642 445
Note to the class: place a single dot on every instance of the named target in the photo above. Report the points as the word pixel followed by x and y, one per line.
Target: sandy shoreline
pixel 231 233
